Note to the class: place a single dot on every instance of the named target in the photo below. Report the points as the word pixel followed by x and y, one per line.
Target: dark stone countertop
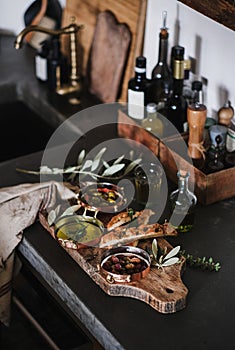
pixel 208 320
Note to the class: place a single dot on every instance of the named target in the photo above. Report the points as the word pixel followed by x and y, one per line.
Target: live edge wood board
pixel 162 289
pixel 208 188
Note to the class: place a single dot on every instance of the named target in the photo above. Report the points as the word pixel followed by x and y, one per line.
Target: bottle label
pixel 41 68
pixel 230 140
pixel 136 104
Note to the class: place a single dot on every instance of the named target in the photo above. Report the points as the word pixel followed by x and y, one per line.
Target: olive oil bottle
pixel 182 204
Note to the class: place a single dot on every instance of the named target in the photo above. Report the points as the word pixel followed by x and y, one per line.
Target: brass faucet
pixel 71 29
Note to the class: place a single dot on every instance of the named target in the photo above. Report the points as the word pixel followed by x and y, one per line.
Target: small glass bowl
pixel 125 264
pixel 76 231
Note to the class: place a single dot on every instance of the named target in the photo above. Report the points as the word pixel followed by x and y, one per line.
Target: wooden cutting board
pixel 131 12
pixel 162 289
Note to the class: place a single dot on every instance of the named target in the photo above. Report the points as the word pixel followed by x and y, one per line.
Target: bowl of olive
pixel 125 264
pixel 104 197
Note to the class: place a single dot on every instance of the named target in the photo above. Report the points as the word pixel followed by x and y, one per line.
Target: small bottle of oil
pixel 182 204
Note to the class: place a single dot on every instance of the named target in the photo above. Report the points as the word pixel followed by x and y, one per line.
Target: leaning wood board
pixel 162 289
pixel 131 12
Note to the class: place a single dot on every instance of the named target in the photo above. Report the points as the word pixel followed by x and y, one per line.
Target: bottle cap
pixel 177 51
pixel 141 62
pixel 151 107
pixel 197 85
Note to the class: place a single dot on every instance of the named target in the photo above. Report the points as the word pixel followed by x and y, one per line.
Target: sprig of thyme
pixel 201 262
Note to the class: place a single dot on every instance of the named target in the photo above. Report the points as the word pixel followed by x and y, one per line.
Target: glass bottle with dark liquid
pixel 162 81
pixel 182 204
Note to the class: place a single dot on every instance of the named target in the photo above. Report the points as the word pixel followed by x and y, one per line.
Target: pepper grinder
pixel 196 116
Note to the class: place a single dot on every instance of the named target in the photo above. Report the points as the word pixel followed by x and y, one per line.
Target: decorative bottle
pixel 41 61
pixel 137 87
pixel 152 122
pixel 182 204
pixel 161 83
pixel 176 109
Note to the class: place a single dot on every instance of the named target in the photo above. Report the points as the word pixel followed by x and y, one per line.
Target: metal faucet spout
pixel 72 28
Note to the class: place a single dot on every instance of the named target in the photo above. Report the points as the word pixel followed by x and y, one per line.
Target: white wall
pixel 210 42
pixel 11 14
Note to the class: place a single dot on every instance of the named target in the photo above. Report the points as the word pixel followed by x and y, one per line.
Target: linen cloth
pixel 19 207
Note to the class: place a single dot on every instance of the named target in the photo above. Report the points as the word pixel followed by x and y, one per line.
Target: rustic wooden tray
pixel 162 289
pixel 208 188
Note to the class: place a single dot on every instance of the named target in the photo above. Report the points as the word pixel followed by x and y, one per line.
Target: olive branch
pixel 88 167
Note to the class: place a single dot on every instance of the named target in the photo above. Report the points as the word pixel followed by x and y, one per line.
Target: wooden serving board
pixel 162 289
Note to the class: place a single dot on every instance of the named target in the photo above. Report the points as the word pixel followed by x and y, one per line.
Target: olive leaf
pixel 132 165
pixel 87 164
pixel 71 210
pixel 172 253
pixel 118 160
pixel 81 156
pixel 154 248
pixel 70 169
pixel 52 215
pixel 97 159
pixel 105 164
pixel 113 169
pixel 169 262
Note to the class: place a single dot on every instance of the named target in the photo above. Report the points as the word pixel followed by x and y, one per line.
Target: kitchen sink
pixel 22 130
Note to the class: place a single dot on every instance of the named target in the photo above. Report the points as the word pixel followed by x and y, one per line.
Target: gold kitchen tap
pixel 71 29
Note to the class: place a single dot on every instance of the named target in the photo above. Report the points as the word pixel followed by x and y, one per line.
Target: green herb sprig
pixel 201 262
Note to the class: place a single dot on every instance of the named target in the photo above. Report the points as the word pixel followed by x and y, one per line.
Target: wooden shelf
pixel 221 11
